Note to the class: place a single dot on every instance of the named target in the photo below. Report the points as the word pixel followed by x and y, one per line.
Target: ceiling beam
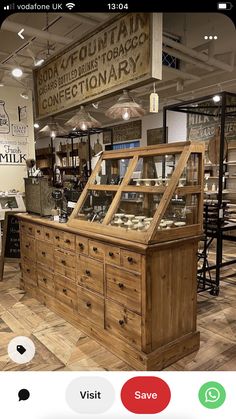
pixel 80 18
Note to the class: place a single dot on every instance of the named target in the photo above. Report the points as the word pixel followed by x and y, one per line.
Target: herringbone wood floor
pixel 60 346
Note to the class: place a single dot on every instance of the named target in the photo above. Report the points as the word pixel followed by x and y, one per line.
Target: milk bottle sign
pixel 4 119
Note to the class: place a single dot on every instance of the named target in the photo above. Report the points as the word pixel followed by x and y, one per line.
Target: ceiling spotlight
pixel 17 72
pixel 38 62
pixel 95 105
pixel 216 98
pixel 24 95
pixel 36 125
pixel 125 108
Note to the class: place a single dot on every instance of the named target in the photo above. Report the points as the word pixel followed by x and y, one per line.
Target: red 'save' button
pixel 145 395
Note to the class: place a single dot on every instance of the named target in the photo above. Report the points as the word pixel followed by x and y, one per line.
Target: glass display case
pixel 145 194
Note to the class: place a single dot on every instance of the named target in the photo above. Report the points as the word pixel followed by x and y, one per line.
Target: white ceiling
pixel 211 73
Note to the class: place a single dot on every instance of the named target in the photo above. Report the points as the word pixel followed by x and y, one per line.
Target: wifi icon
pixel 70 6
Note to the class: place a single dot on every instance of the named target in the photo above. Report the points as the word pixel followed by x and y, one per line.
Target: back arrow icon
pixel 20 34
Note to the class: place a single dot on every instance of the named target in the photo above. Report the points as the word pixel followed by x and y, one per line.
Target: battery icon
pixel 224 6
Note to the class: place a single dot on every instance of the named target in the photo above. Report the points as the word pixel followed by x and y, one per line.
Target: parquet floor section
pixel 62 347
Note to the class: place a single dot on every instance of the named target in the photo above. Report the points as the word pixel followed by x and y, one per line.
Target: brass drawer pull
pixel 95 249
pixel 81 246
pixel 130 259
pixel 38 231
pixel 64 290
pixel 88 305
pixel 30 228
pixel 57 237
pixel 45 279
pixel 43 253
pixel 27 246
pixel 121 285
pixel 121 322
pixel 63 262
pixel 67 241
pixel 47 234
pixel 28 270
pixel 87 272
pixel 111 254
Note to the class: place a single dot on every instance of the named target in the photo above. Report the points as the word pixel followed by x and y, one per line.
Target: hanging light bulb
pixel 53 134
pixel 126 114
pixel 83 120
pixel 125 108
pixel 83 126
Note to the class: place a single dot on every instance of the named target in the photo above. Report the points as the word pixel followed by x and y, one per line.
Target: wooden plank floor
pixel 60 346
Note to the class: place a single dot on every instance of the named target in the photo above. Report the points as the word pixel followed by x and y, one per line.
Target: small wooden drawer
pixel 29 272
pixel 65 263
pixel 123 323
pixel 45 280
pixel 27 228
pixel 90 273
pixel 39 232
pixel 66 291
pixel 44 254
pixel 48 234
pixel 91 307
pixel 97 250
pixel 27 247
pixel 124 287
pixel 82 245
pixel 64 240
pixel 112 255
pixel 130 260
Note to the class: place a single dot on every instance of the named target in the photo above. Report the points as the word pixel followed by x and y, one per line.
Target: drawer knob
pixel 63 262
pixel 121 285
pixel 130 259
pixel 28 270
pixel 47 234
pixel 95 249
pixel 111 254
pixel 121 322
pixel 57 237
pixel 81 246
pixel 27 246
pixel 88 304
pixel 43 253
pixel 45 279
pixel 67 241
pixel 30 228
pixel 64 290
pixel 87 272
pixel 38 231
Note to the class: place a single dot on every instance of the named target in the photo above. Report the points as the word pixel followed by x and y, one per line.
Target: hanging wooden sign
pixel 126 51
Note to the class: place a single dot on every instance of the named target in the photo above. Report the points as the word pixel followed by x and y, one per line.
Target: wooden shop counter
pixel 136 297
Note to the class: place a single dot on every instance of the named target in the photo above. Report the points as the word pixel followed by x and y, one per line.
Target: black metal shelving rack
pixel 72 135
pixel 225 110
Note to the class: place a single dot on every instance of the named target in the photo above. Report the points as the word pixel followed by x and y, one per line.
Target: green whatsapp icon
pixel 212 395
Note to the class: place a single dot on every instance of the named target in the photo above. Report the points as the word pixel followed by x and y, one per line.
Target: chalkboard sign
pixel 11 241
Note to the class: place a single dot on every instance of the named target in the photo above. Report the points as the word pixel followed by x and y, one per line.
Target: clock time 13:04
pixel 118 6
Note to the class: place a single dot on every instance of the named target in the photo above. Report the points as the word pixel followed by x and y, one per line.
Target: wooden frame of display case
pixel 186 149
